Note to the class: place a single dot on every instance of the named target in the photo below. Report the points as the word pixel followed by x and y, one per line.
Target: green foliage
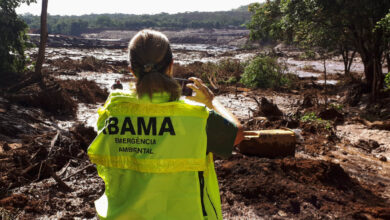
pixel 230 67
pixel 337 106
pixel 308 68
pixel 30 65
pixel 307 54
pixel 384 24
pixel 12 37
pixel 265 24
pixel 312 25
pixel 278 20
pixel 311 117
pixel 71 27
pixel 328 26
pixel 387 81
pixel 265 72
pixel 226 71
pixel 75 25
pixel 232 80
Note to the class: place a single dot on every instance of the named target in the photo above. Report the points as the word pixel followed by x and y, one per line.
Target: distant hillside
pixel 76 25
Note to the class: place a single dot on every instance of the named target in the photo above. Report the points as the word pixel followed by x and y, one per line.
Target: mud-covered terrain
pixel 120 39
pixel 340 169
pixel 231 37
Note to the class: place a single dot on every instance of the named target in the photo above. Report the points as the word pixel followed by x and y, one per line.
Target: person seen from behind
pixel 154 150
pixel 117 85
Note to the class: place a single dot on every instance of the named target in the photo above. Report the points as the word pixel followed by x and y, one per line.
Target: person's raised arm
pixel 205 96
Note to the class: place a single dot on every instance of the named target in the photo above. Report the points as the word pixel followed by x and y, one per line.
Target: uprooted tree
pixel 352 24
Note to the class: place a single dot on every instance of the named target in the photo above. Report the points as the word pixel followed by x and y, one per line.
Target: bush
pixel 226 71
pixel 265 72
pixel 338 107
pixel 311 117
pixel 387 81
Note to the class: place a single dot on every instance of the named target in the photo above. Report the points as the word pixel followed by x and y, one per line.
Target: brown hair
pixel 150 55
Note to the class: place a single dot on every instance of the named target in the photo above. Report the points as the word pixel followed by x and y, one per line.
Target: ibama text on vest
pixel 115 126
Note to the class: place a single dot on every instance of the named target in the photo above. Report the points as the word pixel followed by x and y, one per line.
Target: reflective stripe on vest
pixel 150 165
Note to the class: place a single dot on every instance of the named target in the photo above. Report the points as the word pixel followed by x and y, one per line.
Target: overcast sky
pixel 79 7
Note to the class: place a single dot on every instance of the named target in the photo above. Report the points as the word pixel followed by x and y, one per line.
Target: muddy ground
pixel 112 39
pixel 340 169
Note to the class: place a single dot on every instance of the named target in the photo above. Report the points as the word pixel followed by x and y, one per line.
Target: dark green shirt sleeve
pixel 221 134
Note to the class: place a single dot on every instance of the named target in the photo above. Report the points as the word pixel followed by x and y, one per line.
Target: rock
pixel 383 158
pixel 282 213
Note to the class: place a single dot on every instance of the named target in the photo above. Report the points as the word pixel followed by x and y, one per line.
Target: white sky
pixel 79 7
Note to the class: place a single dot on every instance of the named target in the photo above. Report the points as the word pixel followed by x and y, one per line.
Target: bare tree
pixel 347 58
pixel 42 46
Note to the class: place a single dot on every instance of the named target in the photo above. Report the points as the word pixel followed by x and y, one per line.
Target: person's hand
pixel 203 94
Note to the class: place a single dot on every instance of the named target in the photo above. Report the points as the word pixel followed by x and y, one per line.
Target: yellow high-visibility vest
pixel 152 158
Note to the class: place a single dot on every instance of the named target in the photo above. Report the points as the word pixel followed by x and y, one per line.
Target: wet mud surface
pixel 294 188
pixel 361 152
pixel 340 169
